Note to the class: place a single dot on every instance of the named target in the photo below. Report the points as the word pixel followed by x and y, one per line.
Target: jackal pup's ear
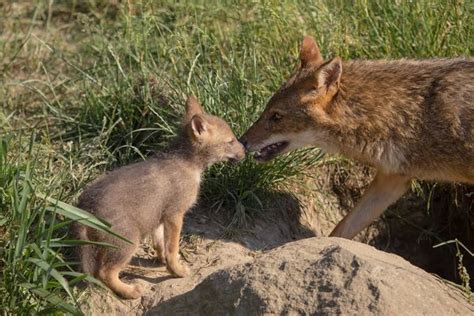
pixel 329 76
pixel 309 53
pixel 192 108
pixel 199 126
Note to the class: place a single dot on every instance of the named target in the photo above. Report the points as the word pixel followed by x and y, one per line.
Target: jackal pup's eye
pixel 276 117
pixel 231 142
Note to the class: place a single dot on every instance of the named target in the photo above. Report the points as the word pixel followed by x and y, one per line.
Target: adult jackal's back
pixel 409 119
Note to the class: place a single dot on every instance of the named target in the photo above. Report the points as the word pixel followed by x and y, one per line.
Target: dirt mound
pixel 319 276
pixel 270 267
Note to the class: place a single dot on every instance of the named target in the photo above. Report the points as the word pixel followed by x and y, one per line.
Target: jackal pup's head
pixel 211 135
pixel 296 114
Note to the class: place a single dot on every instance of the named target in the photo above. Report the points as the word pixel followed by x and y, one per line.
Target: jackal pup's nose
pixel 239 155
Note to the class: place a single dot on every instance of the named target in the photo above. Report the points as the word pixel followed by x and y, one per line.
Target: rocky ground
pixel 322 276
pixel 277 266
pixel 281 263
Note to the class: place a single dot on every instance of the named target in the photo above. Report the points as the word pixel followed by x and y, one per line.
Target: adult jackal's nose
pixel 244 143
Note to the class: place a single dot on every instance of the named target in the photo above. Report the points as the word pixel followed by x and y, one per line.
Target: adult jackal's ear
pixel 329 76
pixel 309 53
pixel 192 108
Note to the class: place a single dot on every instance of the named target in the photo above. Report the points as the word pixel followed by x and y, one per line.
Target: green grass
pixel 34 237
pixel 104 84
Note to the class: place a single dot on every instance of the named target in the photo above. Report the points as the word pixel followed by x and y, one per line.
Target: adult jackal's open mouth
pixel 270 151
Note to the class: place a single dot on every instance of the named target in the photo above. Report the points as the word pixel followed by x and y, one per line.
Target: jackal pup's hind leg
pixel 112 261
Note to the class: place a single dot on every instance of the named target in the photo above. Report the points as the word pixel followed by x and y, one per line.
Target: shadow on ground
pixel 278 224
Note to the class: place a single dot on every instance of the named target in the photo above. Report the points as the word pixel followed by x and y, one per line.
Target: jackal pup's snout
pixel 211 135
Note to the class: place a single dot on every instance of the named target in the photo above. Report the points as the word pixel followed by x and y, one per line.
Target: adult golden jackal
pixel 407 118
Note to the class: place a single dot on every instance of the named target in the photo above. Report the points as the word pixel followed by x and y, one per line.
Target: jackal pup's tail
pixel 84 253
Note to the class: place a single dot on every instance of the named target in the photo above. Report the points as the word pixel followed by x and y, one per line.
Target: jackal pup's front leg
pixel 158 239
pixel 384 190
pixel 172 230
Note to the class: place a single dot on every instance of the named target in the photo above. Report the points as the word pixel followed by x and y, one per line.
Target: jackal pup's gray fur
pixel 151 197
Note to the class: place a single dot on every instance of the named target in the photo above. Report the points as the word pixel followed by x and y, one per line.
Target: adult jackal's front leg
pixel 384 190
pixel 172 226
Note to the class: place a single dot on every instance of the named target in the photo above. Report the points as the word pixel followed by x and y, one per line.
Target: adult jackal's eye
pixel 276 117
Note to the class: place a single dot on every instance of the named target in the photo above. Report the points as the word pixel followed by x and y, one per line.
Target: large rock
pixel 322 276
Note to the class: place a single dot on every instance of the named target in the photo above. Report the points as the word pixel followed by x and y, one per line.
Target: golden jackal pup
pixel 408 119
pixel 151 197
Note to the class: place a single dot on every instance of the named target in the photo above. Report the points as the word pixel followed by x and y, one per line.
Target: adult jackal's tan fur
pixel 407 118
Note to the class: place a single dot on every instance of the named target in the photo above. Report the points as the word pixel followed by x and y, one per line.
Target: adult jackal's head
pixel 296 115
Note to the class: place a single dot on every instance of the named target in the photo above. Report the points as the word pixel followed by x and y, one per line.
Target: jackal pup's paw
pixel 178 270
pixel 138 290
pixel 161 258
pixel 133 291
